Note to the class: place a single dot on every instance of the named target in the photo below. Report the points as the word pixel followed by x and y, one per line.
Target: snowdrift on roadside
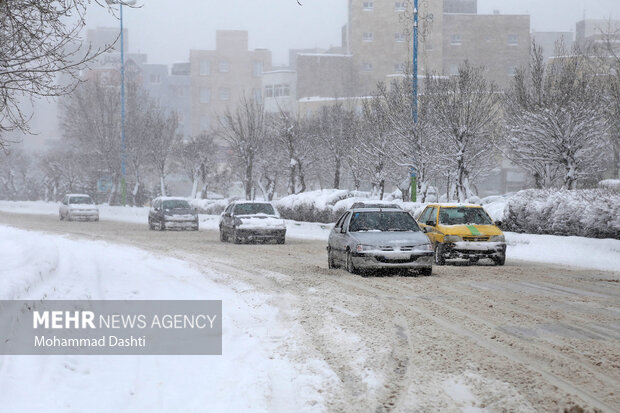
pixel 593 213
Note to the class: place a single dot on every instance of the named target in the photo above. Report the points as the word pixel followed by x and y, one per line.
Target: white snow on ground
pixel 601 254
pixel 248 376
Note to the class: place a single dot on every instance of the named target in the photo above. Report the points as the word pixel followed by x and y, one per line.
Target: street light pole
pixel 414 97
pixel 123 148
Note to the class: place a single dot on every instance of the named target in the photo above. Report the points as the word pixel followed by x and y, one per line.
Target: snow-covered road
pixel 249 376
pixel 524 337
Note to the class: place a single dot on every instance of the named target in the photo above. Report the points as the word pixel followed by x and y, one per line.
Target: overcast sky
pixel 167 29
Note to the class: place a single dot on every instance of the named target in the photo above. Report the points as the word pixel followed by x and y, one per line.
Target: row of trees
pixel 559 121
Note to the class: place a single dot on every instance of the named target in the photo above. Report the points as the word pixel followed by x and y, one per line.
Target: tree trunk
pixel 162 185
pixel 337 174
pixel 248 184
pixel 381 189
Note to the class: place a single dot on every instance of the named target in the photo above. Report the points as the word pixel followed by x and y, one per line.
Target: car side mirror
pixel 430 223
pixel 498 223
pixel 342 230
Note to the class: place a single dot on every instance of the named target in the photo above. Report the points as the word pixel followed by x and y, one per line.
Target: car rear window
pixel 464 216
pixel 382 221
pixel 80 200
pixel 251 209
pixel 175 204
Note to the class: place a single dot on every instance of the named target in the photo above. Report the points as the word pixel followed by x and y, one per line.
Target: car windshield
pixel 80 200
pixel 252 209
pixel 175 204
pixel 464 216
pixel 382 221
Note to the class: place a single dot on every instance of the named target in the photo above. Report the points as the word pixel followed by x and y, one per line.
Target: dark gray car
pixel 379 238
pixel 172 213
pixel 251 221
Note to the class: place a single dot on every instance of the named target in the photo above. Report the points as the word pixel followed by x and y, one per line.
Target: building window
pixel 368 36
pixel 269 91
pixel 155 78
pixel 224 93
pixel 205 95
pixel 258 68
pixel 224 67
pixel 399 37
pixel 512 70
pixel 455 39
pixel 205 68
pixel 399 6
pixel 367 67
pixel 513 40
pixel 399 67
pixel 257 94
pixel 454 70
pixel 281 90
pixel 205 123
pixel 369 5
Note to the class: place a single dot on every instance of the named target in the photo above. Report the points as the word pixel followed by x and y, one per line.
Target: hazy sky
pixel 167 29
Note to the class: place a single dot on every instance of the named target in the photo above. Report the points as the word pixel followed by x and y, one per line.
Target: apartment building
pixel 498 42
pixel 548 41
pixel 379 38
pixel 220 77
pixel 378 35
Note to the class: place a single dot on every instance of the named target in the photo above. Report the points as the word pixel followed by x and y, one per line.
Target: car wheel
pixel 427 272
pixel 223 237
pixel 501 260
pixel 61 217
pixel 439 258
pixel 151 225
pixel 350 267
pixel 330 259
pixel 236 238
pixel 280 240
pixel 68 216
pixel 162 225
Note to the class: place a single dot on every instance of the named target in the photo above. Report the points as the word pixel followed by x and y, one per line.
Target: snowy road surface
pixel 524 337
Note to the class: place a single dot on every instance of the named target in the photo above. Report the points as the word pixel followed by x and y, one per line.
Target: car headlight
pixel 237 222
pixel 497 238
pixel 452 238
pixel 362 248
pixel 424 248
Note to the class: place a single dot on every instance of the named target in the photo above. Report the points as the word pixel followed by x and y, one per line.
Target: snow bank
pixel 38 266
pixel 593 213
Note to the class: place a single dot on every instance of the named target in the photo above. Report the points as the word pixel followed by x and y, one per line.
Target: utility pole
pixel 414 97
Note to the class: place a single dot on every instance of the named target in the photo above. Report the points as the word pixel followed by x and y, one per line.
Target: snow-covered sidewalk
pixel 248 376
pixel 599 254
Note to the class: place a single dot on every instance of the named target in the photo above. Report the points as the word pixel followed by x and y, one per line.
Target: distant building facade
pixel 220 77
pixel 500 43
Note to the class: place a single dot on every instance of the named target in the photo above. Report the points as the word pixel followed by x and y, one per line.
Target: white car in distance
pixel 78 207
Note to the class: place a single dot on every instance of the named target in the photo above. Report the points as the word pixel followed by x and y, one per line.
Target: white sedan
pixel 78 207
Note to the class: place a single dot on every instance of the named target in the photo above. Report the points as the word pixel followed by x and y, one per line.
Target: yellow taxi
pixel 462 231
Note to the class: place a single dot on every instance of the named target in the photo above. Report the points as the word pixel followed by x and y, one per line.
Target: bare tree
pixel 465 109
pixel 39 40
pixel 556 120
pixel 198 158
pixel 376 144
pixel 90 120
pixel 163 129
pixel 335 130
pixel 244 130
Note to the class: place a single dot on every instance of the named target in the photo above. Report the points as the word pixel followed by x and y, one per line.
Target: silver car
pixel 379 238
pixel 78 207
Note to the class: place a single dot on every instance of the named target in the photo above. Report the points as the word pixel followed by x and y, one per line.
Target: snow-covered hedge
pixel 591 213
pixel 209 206
pixel 327 205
